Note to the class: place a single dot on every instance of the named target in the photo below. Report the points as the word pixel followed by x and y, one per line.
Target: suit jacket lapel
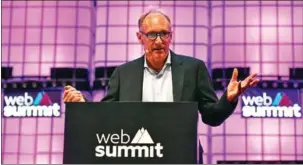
pixel 177 76
pixel 137 80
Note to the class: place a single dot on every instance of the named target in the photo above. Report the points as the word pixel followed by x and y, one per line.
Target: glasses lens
pixel 152 36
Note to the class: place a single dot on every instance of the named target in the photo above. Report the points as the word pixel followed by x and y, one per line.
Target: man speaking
pixel 162 75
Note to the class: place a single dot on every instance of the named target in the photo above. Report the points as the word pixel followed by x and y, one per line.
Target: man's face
pixel 156 47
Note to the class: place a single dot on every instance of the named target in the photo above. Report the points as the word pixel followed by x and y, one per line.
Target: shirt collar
pixel 168 60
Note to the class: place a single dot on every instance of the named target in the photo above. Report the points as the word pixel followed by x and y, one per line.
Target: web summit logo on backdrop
pixel 27 106
pixel 266 106
pixel 142 145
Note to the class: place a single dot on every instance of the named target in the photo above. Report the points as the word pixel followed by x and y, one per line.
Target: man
pixel 162 75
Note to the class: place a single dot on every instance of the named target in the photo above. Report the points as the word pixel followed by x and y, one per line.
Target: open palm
pixel 236 88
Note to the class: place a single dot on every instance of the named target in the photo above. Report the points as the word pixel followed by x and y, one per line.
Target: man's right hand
pixel 72 95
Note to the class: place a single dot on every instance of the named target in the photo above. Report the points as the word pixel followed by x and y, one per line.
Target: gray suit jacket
pixel 191 82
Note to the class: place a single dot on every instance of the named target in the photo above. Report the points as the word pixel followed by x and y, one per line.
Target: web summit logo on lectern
pixel 142 145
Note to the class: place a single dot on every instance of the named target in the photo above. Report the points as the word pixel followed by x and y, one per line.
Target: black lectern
pixel 130 132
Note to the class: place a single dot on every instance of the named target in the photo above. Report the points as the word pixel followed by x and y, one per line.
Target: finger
pixel 254 82
pixel 240 87
pixel 67 87
pixel 235 75
pixel 249 79
pixel 76 99
pixel 69 96
pixel 68 91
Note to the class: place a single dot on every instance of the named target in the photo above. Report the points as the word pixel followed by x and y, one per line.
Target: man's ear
pixel 139 36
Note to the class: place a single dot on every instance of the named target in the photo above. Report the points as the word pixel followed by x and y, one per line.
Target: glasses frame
pixel 158 34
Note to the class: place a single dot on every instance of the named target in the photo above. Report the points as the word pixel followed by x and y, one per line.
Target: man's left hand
pixel 236 88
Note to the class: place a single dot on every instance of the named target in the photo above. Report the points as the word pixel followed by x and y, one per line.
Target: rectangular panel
pixel 284 15
pixel 234 53
pixel 113 3
pixel 253 15
pixel 284 69
pixel 12 126
pixel 84 36
pixel 269 53
pixel 287 127
pixel 65 53
pixel 47 53
pixel 216 35
pixel 268 13
pixel 57 159
pixel 51 3
pixel 117 16
pixel 252 34
pixel 4 53
pixel 27 144
pixel 298 34
pixel 57 143
pixel 5 34
pixel 11 143
pixel 84 16
pixel 254 144
pixel 17 35
pixel 298 52
pixel 235 121
pixel 184 3
pixel 216 158
pixel 48 35
pixel 201 35
pixel 187 50
pixel 32 53
pixel 6 15
pixel 216 54
pixel 271 144
pixel 117 34
pixel 300 145
pixel 34 3
pixel 18 16
pixel 101 15
pixel 185 16
pixel 131 3
pixel 58 124
pixel 49 16
pixel 16 54
pixel 298 12
pixel 134 14
pixel 287 145
pixel 201 53
pixel 17 71
pixel 134 51
pixel 271 126
pixel 10 159
pixel 299 129
pixel 183 35
pixel 42 159
pixel 100 52
pixel 34 16
pixel 234 35
pixel 201 15
pixel 66 35
pixel 31 69
pixel 66 3
pixel 217 144
pixel 85 3
pixel 116 52
pixel 67 16
pixel 83 54
pixel 234 16
pixel 28 126
pixel 252 53
pixel 26 159
pixel 254 126
pixel 169 11
pixel 43 143
pixel 33 35
pixel 235 157
pixel 217 16
pixel 269 69
pixel 284 35
pixel 101 34
pixel 285 53
pixel 44 126
pixel 132 37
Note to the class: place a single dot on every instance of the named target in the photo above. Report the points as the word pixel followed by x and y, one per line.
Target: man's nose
pixel 158 39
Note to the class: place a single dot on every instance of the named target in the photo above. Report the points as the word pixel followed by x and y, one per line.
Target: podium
pixel 130 133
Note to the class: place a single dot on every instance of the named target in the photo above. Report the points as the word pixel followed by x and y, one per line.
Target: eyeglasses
pixel 153 35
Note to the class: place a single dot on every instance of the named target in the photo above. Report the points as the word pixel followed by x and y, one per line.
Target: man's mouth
pixel 158 49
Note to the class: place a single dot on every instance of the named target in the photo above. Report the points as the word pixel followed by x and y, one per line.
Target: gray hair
pixel 151 10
